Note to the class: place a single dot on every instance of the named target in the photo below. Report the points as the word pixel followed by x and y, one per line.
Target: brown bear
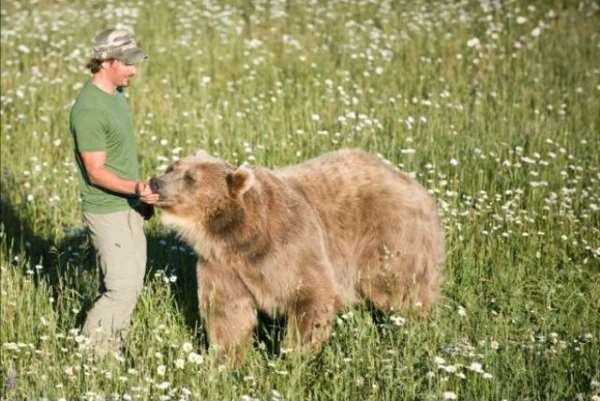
pixel 303 241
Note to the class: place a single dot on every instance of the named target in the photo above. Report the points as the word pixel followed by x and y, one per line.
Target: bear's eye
pixel 173 166
pixel 189 178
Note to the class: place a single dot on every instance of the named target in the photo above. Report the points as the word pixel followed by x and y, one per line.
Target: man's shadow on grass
pixel 66 260
pixel 73 256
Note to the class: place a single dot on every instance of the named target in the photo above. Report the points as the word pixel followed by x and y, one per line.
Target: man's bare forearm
pixel 104 178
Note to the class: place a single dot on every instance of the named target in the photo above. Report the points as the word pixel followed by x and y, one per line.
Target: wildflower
pixel 79 339
pixel 161 370
pixel 187 347
pixel 527 160
pixel 11 346
pixel 163 385
pixel 475 367
pixel 398 320
pixel 521 20
pixel 195 358
pixel 179 363
pixel 439 360
pixel 449 368
pixel 536 32
pixel 449 395
pixel 474 42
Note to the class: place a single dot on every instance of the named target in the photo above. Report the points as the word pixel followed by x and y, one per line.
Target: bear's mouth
pixel 164 203
pixel 165 198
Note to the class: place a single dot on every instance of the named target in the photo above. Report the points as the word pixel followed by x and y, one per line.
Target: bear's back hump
pixel 347 181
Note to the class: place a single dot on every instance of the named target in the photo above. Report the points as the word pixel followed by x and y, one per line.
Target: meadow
pixel 494 106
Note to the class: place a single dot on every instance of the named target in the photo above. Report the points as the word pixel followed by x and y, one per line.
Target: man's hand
pixel 147 198
pixel 145 193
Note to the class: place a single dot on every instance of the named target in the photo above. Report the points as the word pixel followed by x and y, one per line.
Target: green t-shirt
pixel 101 122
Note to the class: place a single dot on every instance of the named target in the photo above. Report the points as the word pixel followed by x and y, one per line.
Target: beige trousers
pixel 120 244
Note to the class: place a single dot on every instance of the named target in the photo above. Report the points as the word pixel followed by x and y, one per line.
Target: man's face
pixel 120 73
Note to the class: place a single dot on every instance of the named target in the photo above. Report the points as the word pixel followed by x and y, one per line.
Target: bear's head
pixel 203 190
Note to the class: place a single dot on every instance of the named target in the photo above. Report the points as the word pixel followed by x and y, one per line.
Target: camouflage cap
pixel 117 44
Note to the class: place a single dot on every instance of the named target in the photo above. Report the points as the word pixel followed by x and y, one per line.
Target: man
pixel 113 198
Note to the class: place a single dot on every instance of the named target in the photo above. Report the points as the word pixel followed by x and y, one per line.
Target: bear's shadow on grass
pixel 74 256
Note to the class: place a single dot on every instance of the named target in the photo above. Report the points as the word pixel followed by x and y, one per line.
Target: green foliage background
pixel 493 106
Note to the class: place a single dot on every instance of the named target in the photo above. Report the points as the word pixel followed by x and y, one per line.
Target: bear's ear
pixel 240 181
pixel 203 155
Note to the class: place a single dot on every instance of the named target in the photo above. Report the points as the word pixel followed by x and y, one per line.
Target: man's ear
pixel 240 181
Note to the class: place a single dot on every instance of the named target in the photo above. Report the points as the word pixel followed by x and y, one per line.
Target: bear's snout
pixel 154 185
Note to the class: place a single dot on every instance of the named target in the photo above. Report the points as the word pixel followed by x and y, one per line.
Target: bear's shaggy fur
pixel 303 241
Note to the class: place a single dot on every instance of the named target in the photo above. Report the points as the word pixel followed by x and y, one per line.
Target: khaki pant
pixel 121 250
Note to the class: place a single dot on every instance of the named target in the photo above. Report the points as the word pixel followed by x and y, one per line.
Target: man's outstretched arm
pixel 100 176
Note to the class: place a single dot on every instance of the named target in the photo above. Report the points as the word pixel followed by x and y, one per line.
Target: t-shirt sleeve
pixel 89 129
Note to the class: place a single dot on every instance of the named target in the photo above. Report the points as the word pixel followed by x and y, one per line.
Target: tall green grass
pixel 493 106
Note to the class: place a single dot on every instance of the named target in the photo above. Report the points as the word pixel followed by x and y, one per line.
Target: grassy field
pixel 493 105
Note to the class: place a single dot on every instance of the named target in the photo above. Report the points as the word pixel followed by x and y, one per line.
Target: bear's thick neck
pixel 223 222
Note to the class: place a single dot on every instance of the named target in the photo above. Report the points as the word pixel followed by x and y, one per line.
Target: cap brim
pixel 133 56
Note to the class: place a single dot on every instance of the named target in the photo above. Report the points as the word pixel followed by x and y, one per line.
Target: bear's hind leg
pixel 393 280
